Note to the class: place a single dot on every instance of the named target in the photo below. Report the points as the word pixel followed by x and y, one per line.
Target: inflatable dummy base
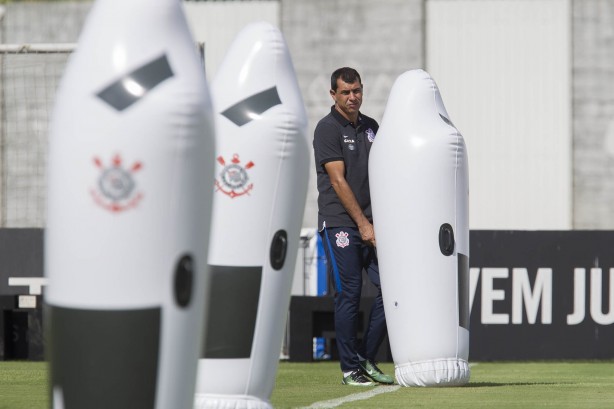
pixel 211 401
pixel 436 372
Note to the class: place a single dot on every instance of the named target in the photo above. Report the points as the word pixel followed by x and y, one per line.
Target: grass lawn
pixel 23 385
pixel 500 385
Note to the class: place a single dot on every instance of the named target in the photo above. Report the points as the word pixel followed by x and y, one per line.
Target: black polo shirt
pixel 336 138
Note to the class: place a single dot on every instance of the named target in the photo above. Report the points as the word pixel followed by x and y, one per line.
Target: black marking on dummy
pixel 133 86
pixel 446 239
pixel 246 110
pixel 232 309
pixel 184 281
pixel 463 291
pixel 103 359
pixel 447 121
pixel 279 248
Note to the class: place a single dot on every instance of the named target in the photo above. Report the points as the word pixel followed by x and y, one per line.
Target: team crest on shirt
pixel 370 135
pixel 233 179
pixel 342 239
pixel 116 189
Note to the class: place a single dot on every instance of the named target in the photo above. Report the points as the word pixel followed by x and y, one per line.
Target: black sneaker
pixel 357 378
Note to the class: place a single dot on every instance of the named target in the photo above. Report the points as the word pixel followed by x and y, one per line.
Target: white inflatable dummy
pixel 419 192
pixel 259 199
pixel 131 164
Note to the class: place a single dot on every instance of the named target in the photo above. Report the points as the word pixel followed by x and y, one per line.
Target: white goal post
pixel 37 48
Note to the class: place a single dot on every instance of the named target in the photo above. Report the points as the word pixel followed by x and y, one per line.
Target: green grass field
pixel 500 385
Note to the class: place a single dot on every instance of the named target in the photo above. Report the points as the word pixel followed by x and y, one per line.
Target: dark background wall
pixel 534 294
pixel 21 255
pixel 542 295
pixel 21 329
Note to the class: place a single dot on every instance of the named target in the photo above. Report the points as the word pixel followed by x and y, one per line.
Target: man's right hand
pixel 336 172
pixel 367 233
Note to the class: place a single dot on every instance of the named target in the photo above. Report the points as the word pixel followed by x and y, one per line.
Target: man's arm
pixel 336 172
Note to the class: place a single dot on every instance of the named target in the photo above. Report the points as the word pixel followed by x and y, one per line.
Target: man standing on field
pixel 342 142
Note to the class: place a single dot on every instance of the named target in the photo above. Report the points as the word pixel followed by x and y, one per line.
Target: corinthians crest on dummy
pixel 233 179
pixel 117 189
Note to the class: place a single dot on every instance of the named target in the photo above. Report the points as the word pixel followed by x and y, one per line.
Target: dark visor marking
pixel 135 85
pixel 447 121
pixel 244 111
pixel 232 311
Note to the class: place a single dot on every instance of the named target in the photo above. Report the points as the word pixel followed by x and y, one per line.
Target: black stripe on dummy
pixel 463 291
pixel 248 109
pixel 103 359
pixel 232 310
pixel 447 121
pixel 135 85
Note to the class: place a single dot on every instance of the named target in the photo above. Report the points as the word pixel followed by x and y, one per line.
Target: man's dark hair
pixel 346 74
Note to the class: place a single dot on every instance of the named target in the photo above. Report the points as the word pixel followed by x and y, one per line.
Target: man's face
pixel 348 98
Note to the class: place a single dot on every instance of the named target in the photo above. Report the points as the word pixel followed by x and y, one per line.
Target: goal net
pixel 29 76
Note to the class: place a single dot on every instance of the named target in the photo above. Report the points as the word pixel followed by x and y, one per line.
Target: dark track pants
pixel 347 256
